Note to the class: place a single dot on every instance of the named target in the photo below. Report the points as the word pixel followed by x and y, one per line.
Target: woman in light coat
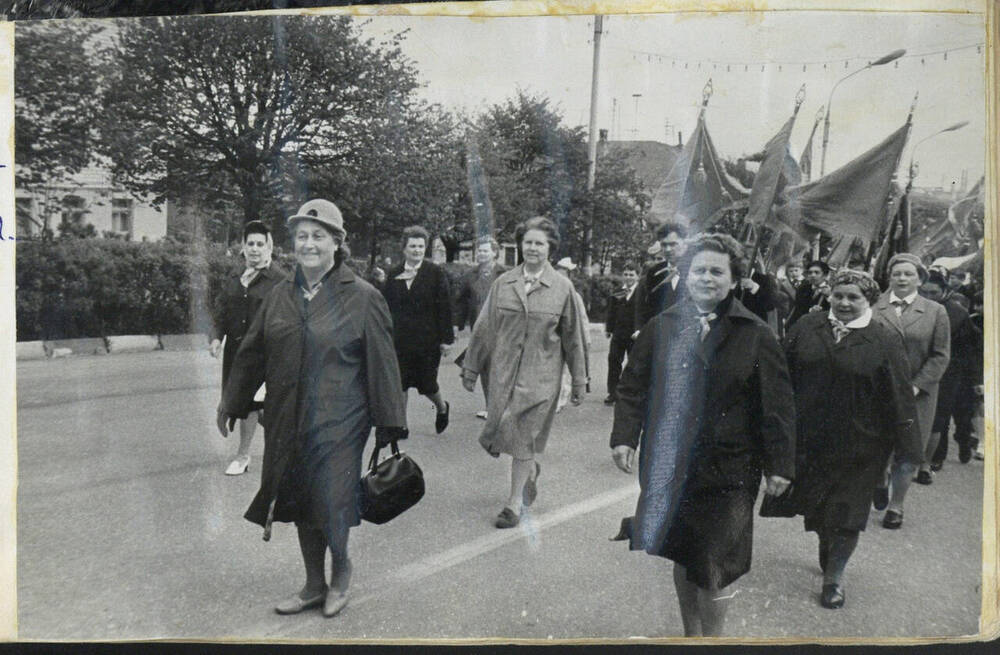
pixel 531 324
pixel 923 325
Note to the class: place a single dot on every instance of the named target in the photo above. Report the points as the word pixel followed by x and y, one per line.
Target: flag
pixel 777 170
pixel 805 161
pixel 697 186
pixel 960 214
pixel 896 236
pixel 852 200
pixel 955 230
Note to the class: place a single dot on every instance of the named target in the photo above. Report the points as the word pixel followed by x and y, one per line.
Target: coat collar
pixel 735 314
pixel 545 279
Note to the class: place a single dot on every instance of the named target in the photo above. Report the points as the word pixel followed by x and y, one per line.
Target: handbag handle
pixel 373 463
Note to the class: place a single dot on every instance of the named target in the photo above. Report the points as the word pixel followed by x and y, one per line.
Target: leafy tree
pixel 55 105
pixel 244 107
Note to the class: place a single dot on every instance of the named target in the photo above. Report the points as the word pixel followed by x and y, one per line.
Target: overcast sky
pixel 468 64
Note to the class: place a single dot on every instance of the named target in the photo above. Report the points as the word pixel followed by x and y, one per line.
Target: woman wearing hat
pixel 923 325
pixel 530 325
pixel 322 342
pixel 853 405
pixel 241 297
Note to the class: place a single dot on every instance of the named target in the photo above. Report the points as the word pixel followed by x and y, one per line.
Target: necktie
pixel 840 330
pixel 706 323
pixel 899 305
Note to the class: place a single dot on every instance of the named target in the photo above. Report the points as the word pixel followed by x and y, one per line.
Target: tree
pixel 245 107
pixel 55 104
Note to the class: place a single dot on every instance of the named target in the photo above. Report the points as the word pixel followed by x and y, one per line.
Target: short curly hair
pixel 543 223
pixel 416 232
pixel 715 242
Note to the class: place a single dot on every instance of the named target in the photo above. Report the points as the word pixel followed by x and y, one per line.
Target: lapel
pixel 517 281
pixel 914 312
pixel 544 280
pixel 885 309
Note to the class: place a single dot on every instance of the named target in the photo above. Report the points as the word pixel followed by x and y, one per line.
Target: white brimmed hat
pixel 321 211
pixel 566 263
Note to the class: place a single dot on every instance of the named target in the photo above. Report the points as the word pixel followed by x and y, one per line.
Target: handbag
pixel 390 487
pixel 784 505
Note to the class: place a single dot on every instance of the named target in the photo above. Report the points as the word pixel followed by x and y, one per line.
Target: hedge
pixel 76 288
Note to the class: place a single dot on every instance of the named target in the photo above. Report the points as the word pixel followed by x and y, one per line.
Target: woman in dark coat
pixel 241 298
pixel 708 391
pixel 854 405
pixel 322 341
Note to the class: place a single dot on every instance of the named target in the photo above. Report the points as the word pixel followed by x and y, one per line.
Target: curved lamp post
pixel 914 167
pixel 892 56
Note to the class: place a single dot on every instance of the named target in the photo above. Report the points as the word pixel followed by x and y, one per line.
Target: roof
pixel 651 160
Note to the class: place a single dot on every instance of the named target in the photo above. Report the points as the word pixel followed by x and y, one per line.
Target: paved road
pixel 127 529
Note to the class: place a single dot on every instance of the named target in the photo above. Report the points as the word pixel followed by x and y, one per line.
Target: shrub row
pixel 75 288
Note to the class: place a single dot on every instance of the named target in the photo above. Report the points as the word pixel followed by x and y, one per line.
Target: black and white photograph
pixel 502 321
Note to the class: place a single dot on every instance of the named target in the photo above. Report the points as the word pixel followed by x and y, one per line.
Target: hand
pixel 635 335
pixel 576 397
pixel 469 384
pixel 378 275
pixel 221 420
pixel 385 436
pixel 776 485
pixel 978 389
pixel 445 349
pixel 624 456
pixel 749 285
pixel 214 348
pixel 824 289
pixel 916 391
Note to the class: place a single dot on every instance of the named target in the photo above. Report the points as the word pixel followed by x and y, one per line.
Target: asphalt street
pixel 128 529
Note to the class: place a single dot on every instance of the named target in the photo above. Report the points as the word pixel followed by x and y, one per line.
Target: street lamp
pixel 913 166
pixel 892 56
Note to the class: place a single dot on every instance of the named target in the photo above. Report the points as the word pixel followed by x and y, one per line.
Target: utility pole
pixel 635 119
pixel 592 143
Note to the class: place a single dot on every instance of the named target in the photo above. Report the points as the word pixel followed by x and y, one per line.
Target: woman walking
pixel 923 325
pixel 323 344
pixel 706 396
pixel 242 296
pixel 531 324
pixel 854 405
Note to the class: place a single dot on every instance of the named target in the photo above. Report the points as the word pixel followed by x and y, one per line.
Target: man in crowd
pixel 419 300
pixel 660 286
pixel 619 326
pixel 811 294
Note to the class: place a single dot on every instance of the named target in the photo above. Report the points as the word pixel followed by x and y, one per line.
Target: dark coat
pixel 421 314
pixel 620 323
pixel 854 404
pixel 806 297
pixel 764 300
pixel 331 375
pixel 473 288
pixel 655 293
pixel 239 306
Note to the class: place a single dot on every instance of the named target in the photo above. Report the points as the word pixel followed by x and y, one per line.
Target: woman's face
pixel 847 302
pixel 904 279
pixel 414 250
pixel 535 247
pixel 253 249
pixel 315 246
pixel 710 279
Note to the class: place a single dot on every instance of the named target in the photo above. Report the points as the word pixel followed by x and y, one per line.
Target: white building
pixel 89 198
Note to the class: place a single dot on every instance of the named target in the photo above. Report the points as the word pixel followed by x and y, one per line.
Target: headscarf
pixel 909 258
pixel 865 282
pixel 251 271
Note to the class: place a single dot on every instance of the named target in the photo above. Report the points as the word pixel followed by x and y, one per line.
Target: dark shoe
pixel 832 597
pixel 297 604
pixel 441 421
pixel 892 520
pixel 507 519
pixel 881 498
pixel 965 451
pixel 624 530
pixel 924 477
pixel 610 400
pixel 530 492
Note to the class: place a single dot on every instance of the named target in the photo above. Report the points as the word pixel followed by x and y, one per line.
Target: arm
pixel 934 366
pixel 633 389
pixel 442 306
pixel 572 330
pixel 641 295
pixel 609 321
pixel 385 391
pixel 777 407
pixel 462 304
pixel 483 338
pixel 901 409
pixel 248 370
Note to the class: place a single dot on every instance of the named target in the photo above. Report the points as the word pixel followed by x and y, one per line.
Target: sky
pixel 467 64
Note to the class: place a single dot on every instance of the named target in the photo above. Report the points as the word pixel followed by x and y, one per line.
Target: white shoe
pixel 239 466
pixel 482 415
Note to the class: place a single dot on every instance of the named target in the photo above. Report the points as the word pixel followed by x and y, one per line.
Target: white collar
pixel 858 323
pixel 407 267
pixel 908 299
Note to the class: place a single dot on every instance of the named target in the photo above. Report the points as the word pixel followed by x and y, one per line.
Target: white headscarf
pixel 251 271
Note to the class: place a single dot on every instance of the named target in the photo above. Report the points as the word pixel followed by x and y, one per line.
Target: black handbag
pixel 390 487
pixel 784 505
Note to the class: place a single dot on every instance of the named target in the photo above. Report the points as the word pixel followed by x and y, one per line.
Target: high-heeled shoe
pixel 297 604
pixel 239 466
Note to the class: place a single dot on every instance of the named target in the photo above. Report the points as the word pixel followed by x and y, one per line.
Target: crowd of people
pixel 835 392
